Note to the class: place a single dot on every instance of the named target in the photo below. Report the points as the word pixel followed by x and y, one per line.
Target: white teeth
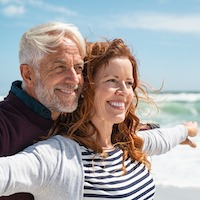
pixel 69 89
pixel 117 104
pixel 75 87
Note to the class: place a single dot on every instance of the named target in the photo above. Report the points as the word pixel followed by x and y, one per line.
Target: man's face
pixel 59 80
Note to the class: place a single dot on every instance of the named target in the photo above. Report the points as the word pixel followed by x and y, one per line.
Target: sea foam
pixel 1 97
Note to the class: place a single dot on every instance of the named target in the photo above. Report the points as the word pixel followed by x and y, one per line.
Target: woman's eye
pixel 129 83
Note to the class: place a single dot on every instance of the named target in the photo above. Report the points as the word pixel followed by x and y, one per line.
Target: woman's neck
pixel 103 138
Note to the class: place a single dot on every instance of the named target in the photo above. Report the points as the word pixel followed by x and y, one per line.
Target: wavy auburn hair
pixel 78 125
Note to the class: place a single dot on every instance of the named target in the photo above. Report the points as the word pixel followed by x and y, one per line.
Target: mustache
pixel 69 86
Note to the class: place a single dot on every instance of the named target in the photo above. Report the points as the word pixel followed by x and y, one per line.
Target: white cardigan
pixel 52 169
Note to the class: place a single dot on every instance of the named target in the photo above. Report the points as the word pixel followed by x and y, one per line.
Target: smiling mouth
pixel 119 105
pixel 69 90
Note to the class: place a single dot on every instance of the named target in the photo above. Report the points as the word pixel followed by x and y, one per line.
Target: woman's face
pixel 114 92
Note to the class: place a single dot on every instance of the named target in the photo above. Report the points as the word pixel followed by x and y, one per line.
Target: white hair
pixel 43 39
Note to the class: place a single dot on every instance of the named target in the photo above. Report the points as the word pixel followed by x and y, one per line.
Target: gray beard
pixel 50 100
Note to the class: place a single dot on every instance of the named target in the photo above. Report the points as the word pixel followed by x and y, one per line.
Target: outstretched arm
pixel 160 140
pixel 192 132
pixel 25 171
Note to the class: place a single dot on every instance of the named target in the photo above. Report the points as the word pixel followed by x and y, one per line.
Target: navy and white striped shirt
pixel 104 179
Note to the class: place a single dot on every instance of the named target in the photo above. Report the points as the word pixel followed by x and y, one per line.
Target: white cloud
pixel 4 1
pixel 159 22
pixel 50 7
pixel 11 1
pixel 13 10
pixel 40 4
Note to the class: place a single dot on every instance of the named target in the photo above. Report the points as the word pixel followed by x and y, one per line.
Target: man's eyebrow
pixel 80 62
pixel 60 61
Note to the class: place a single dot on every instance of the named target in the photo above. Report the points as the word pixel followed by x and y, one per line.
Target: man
pixel 51 63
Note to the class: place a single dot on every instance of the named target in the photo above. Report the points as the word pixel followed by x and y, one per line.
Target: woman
pixel 99 156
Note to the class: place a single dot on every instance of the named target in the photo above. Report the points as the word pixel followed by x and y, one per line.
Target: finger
pixel 192 144
pixel 189 142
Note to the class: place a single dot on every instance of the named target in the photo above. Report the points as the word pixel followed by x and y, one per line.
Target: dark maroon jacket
pixel 22 121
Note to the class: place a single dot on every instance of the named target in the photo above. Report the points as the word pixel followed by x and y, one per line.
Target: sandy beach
pixel 175 193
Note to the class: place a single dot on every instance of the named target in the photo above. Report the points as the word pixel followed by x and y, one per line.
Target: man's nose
pixel 72 76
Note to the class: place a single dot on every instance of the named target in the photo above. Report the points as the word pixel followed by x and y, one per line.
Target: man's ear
pixel 27 74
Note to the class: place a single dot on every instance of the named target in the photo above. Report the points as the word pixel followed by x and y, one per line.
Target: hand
pixel 192 132
pixel 189 142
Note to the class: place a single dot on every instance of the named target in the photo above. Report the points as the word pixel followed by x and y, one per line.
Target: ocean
pixel 179 167
pixel 177 170
pixel 173 108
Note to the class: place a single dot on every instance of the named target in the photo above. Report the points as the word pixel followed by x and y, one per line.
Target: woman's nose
pixel 122 90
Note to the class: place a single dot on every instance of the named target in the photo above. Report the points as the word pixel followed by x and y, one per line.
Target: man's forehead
pixel 69 60
pixel 62 59
pixel 68 44
pixel 69 41
pixel 70 48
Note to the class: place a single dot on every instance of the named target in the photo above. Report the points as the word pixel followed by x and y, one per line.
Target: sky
pixel 164 35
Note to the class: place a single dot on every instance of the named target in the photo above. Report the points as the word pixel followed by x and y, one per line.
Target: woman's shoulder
pixel 55 143
pixel 59 139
